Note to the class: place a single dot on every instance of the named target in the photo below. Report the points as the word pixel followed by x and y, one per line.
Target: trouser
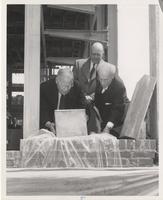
pixel 94 122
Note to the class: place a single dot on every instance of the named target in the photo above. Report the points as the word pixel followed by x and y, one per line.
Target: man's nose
pixel 96 56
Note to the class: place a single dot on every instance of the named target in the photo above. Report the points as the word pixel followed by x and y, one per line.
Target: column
pixel 31 69
pixel 112 51
pixel 153 50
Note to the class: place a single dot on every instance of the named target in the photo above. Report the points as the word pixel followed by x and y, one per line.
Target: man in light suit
pixel 85 74
pixel 110 99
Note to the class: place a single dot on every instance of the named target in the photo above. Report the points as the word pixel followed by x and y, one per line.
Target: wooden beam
pixel 92 19
pixel 100 13
pixel 84 35
pixel 153 48
pixel 43 36
pixel 62 60
pixel 138 107
pixel 89 9
pixel 112 38
pixel 31 69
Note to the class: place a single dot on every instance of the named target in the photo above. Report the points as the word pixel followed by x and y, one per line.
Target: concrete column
pixel 31 69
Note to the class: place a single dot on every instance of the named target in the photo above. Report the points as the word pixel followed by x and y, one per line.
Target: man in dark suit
pixel 59 93
pixel 85 74
pixel 110 99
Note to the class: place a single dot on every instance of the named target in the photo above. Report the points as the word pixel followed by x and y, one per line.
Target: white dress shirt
pixel 104 89
pixel 59 98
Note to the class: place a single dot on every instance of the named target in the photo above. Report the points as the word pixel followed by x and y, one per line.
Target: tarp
pixel 107 182
pixel 46 150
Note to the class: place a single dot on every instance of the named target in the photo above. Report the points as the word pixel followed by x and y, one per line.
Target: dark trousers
pixel 94 124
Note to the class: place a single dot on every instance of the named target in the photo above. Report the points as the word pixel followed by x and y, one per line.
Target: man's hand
pixel 50 126
pixel 110 125
pixel 89 98
pixel 92 96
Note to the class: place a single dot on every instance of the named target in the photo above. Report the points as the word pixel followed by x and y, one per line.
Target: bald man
pixel 85 74
pixel 85 70
pixel 59 93
pixel 110 98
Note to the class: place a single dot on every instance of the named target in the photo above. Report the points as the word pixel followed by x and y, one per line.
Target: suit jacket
pixel 111 104
pixel 82 75
pixel 49 99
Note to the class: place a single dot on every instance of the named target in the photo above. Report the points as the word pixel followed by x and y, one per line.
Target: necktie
pixel 103 90
pixel 92 71
pixel 61 103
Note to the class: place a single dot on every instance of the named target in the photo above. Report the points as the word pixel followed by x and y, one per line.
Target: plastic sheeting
pixel 118 182
pixel 46 150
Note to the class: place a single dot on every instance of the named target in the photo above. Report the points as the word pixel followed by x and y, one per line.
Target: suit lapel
pixel 94 74
pixel 109 92
pixel 85 69
pixel 96 67
pixel 54 94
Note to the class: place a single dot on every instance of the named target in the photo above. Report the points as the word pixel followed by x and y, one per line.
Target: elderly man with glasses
pixel 59 93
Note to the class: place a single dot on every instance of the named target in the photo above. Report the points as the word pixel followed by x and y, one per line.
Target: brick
pixel 10 163
pixel 149 154
pixel 13 158
pixel 133 162
pixel 122 144
pixel 152 144
pixel 130 144
pixel 125 154
pixel 125 162
pixel 12 154
pixel 145 144
pixel 141 162
pixel 145 162
pixel 125 144
pixel 113 163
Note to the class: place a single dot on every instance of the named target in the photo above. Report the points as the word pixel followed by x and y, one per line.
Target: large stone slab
pixel 138 107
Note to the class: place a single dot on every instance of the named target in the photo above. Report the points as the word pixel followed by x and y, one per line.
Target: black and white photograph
pixel 81 99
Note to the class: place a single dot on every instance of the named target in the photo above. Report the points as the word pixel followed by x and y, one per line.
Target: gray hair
pixel 65 72
pixel 107 68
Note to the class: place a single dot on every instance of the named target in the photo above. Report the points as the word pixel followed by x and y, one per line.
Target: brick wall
pixel 13 159
pixel 140 153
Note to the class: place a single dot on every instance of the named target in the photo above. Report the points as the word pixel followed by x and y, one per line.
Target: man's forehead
pixel 95 50
pixel 66 79
pixel 105 73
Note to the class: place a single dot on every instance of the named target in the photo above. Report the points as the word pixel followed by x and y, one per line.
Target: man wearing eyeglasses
pixel 59 93
pixel 85 74
pixel 110 99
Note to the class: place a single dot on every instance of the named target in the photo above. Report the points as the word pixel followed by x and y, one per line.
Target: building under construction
pixel 43 38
